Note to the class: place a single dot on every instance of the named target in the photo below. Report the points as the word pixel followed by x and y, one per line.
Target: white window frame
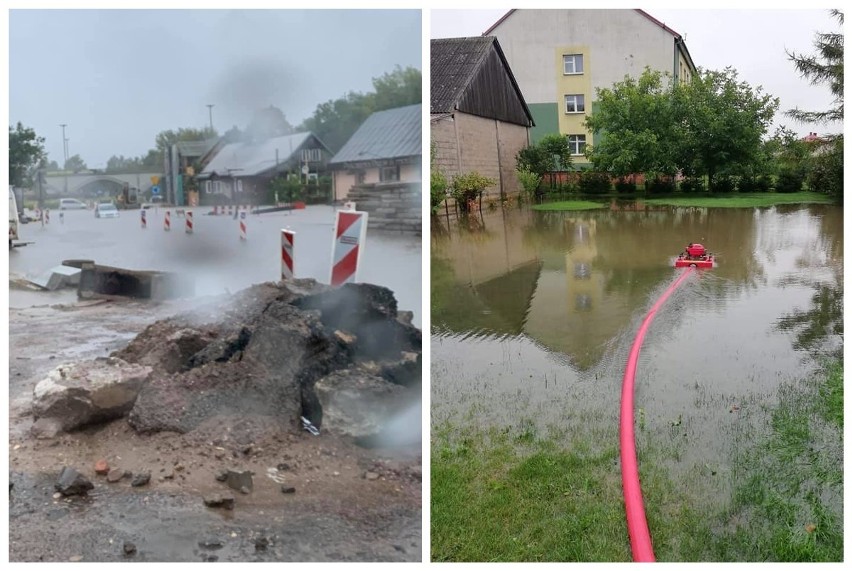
pixel 573 60
pixel 579 101
pixel 575 144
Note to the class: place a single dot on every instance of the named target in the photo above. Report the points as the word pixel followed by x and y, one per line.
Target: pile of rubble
pixel 287 354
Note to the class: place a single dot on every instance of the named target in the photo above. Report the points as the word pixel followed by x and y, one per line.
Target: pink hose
pixel 637 525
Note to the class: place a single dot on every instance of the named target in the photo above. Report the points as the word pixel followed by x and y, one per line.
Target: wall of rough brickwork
pixel 465 143
pixel 391 206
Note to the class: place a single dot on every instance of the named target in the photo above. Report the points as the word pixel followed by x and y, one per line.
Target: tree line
pixel 333 121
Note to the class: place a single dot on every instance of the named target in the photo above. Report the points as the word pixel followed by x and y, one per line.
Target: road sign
pixel 155 190
pixel 155 180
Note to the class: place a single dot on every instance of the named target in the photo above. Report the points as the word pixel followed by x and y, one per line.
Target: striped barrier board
pixel 188 217
pixel 350 234
pixel 143 221
pixel 242 228
pixel 288 239
pixel 167 222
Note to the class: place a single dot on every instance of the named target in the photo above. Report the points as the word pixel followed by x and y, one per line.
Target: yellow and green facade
pixel 561 57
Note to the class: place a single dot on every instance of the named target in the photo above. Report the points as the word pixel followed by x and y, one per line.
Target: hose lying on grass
pixel 637 525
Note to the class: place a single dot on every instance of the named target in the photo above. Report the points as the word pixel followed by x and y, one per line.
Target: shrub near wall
pixel 660 186
pixel 690 185
pixel 592 182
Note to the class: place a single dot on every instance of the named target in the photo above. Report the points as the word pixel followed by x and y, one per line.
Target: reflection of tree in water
pixel 819 328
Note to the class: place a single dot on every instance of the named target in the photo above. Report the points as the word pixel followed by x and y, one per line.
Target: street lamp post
pixel 65 154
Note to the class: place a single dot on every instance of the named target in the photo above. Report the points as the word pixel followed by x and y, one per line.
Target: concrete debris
pixel 359 404
pixel 141 479
pixel 239 480
pixel 76 395
pixel 72 483
pixel 115 475
pixel 224 501
pixel 261 356
pixel 57 277
pixel 129 548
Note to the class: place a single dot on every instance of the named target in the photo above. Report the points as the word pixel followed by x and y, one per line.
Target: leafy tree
pixel 639 119
pixel 724 121
pixel 550 154
pixel 335 121
pixel 714 124
pixel 52 165
pixel 26 150
pixel 75 164
pixel 398 88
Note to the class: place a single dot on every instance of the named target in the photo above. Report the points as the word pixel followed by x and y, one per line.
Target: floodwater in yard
pixel 533 314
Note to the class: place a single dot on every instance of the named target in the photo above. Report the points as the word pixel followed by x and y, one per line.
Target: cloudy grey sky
pixel 752 41
pixel 119 77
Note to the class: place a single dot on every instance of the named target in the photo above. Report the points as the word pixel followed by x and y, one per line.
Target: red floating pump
pixel 696 256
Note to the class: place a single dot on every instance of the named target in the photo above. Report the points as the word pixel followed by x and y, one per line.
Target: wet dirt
pixel 350 503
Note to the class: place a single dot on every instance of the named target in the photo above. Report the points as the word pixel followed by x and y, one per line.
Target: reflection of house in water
pixel 572 312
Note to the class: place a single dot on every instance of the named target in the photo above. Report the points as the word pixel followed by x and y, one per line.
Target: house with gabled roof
pixel 240 172
pixel 479 119
pixel 386 149
pixel 561 57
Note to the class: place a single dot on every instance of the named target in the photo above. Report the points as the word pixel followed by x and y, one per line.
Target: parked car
pixel 106 210
pixel 71 204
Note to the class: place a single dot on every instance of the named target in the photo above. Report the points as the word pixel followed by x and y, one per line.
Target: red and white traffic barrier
pixel 288 239
pixel 243 227
pixel 167 221
pixel 350 234
pixel 188 216
pixel 143 221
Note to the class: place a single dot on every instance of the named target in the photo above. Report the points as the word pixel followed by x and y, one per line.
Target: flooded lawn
pixel 533 314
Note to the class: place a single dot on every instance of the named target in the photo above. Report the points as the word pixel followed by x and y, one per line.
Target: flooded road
pixel 533 314
pixel 213 254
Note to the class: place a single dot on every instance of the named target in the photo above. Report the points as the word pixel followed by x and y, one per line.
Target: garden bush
pixel 690 185
pixel 660 186
pixel 592 182
pixel 790 180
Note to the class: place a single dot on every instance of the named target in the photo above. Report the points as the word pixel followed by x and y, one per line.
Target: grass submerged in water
pixel 513 494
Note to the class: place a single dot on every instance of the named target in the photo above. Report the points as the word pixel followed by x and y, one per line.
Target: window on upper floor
pixel 575 103
pixel 389 174
pixel 572 64
pixel 577 144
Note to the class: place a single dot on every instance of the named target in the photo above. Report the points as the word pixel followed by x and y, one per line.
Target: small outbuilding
pixel 479 120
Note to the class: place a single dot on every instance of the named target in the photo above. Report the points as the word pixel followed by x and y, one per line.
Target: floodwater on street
pixel 533 314
pixel 213 254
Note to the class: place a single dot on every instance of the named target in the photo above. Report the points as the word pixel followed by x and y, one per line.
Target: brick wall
pixel 466 143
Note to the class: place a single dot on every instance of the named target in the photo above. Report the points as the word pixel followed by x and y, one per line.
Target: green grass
pixel 787 497
pixel 512 494
pixel 745 200
pixel 570 205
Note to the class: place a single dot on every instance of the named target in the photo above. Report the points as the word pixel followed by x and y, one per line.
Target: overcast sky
pixel 119 77
pixel 752 41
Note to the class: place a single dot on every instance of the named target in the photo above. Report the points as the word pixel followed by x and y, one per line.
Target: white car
pixel 106 210
pixel 71 204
